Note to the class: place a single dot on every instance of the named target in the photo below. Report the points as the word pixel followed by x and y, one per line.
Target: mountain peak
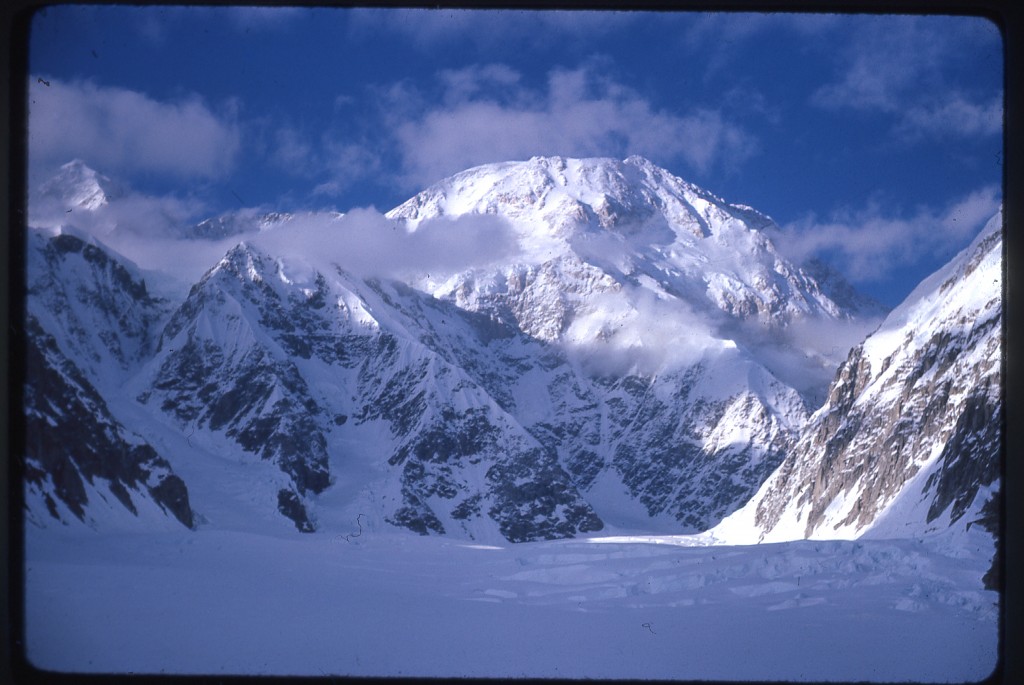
pixel 562 196
pixel 78 185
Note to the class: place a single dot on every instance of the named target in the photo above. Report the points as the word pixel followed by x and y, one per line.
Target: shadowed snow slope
pixel 401 605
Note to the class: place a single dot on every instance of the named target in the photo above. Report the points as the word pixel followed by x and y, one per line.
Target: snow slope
pixel 909 441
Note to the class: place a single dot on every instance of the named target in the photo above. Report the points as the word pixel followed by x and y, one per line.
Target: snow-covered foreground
pixel 219 602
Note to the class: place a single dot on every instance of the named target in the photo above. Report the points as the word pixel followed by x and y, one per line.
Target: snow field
pixel 397 604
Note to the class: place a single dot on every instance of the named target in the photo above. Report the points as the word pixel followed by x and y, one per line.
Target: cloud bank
pixel 121 130
pixel 367 244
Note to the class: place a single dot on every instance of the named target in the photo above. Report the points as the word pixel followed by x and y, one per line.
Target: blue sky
pixel 873 141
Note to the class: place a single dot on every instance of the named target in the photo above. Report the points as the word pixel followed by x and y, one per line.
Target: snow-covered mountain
pixel 909 439
pixel 673 311
pixel 77 186
pixel 88 323
pixel 638 225
pixel 639 363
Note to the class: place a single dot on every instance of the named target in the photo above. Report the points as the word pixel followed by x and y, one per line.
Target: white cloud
pixel 805 354
pixel 364 242
pixel 883 59
pixel 956 116
pixel 871 245
pixel 129 213
pixel 962 220
pixel 344 163
pixel 143 229
pixel 120 130
pixel 149 231
pixel 632 330
pixel 581 113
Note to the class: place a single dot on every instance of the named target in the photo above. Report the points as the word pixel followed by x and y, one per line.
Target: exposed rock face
pixel 909 439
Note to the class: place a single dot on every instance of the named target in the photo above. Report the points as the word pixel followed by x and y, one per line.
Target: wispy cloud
pixel 291 151
pixel 631 330
pixel 870 244
pixel 261 18
pixel 719 37
pixel 953 116
pixel 346 162
pixel 579 113
pixel 899 66
pixel 124 130
pixel 881 64
pixel 428 29
pixel 493 81
pixel 143 228
pixel 132 213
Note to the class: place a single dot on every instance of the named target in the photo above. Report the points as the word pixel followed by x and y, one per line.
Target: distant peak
pixel 78 164
pixel 629 182
pixel 638 161
pixel 78 185
pixel 77 170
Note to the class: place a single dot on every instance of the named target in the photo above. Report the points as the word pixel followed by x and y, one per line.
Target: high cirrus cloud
pixel 124 130
pixel 901 66
pixel 488 115
pixel 871 244
pixel 429 29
